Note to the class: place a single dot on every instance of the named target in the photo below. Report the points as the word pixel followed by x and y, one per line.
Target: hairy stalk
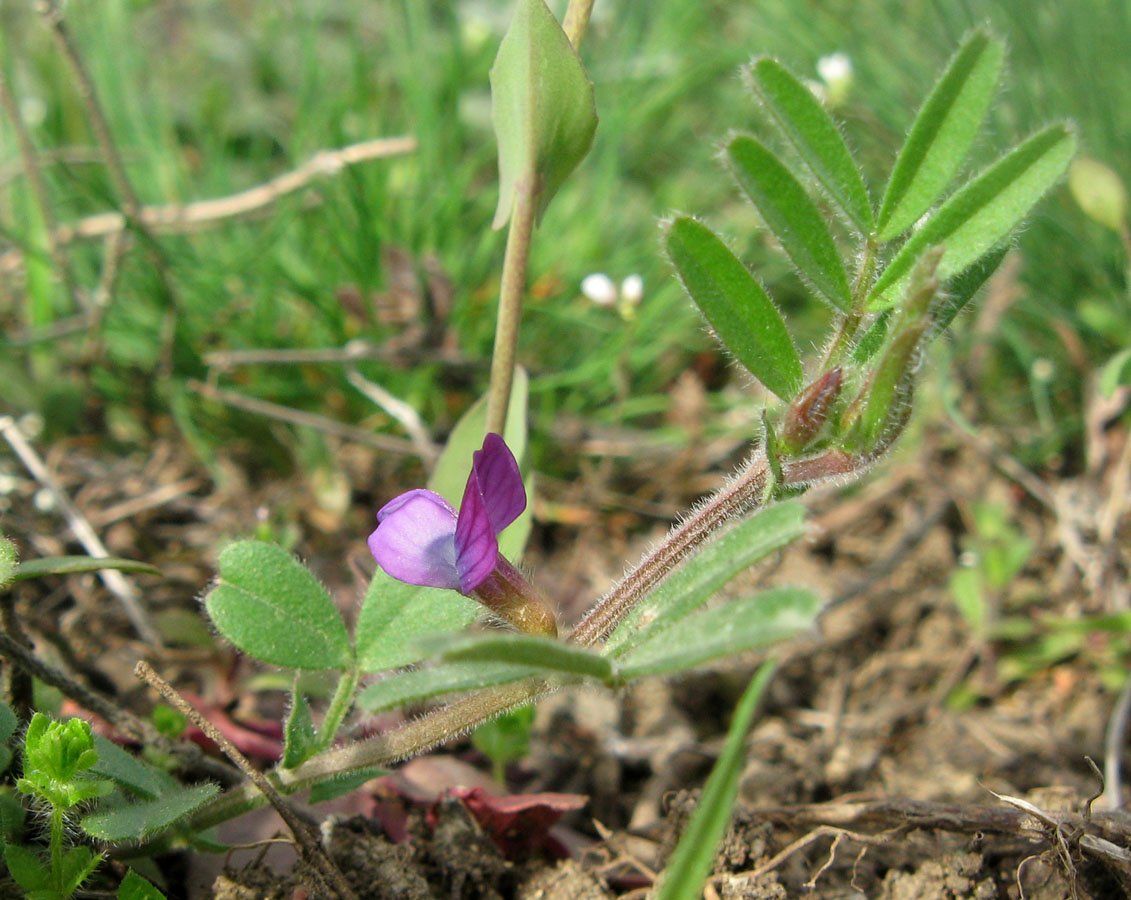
pixel 851 322
pixel 340 704
pixel 513 285
pixel 743 493
pixel 417 736
pixel 56 846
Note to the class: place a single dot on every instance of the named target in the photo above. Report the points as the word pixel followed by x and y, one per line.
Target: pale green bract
pixel 542 106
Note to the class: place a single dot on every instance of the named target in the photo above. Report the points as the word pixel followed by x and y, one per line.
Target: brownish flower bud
pixel 807 414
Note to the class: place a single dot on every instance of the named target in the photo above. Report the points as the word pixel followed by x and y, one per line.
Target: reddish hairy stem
pixel 743 493
pixel 746 491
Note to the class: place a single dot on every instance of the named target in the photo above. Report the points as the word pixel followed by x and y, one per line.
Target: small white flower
pixel 1043 369
pixel 834 68
pixel 836 73
pixel 632 290
pixel 33 111
pixel 31 424
pixel 599 289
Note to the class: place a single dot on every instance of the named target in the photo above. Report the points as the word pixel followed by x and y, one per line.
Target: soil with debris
pixel 898 755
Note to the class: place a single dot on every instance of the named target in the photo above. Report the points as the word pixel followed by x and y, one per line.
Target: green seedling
pixel 57 776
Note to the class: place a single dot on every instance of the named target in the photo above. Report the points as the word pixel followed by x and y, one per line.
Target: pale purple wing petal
pixel 500 482
pixel 415 540
pixel 477 551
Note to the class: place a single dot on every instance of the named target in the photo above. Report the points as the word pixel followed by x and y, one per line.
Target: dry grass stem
pixel 83 531
pixel 304 419
pixel 205 213
pixel 303 832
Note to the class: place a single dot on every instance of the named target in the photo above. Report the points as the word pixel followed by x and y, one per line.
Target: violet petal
pixel 415 540
pixel 500 482
pixel 476 549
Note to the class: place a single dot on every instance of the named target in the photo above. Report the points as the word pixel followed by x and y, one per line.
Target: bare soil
pixel 894 757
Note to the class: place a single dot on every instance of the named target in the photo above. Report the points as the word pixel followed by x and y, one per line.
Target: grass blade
pixel 793 217
pixel 812 132
pixel 72 565
pixel 942 134
pixel 690 862
pixel 979 216
pixel 738 308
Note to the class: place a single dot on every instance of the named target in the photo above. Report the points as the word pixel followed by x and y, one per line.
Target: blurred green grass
pixel 206 99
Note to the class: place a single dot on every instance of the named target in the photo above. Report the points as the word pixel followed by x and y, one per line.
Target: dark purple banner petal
pixel 476 549
pixel 500 482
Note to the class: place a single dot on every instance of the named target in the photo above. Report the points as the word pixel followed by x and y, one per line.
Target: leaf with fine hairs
pixel 942 134
pixel 735 304
pixel 811 131
pixel 982 214
pixel 793 217
pixel 272 607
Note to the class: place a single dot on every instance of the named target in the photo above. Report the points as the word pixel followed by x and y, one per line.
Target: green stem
pixel 511 289
pixel 415 737
pixel 515 260
pixel 57 847
pixel 851 321
pixel 339 706
pixel 577 20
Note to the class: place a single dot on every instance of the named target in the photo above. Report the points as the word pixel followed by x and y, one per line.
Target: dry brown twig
pixel 205 213
pixel 84 533
pixel 53 15
pixel 66 156
pixel 1099 837
pixel 121 719
pixel 303 832
pixel 304 419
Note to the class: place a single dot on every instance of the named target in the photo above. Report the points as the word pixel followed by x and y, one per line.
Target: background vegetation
pixel 207 99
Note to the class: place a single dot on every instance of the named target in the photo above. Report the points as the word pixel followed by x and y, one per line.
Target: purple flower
pixel 421 540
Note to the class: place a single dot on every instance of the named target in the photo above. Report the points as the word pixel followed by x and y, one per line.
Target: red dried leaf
pixel 520 825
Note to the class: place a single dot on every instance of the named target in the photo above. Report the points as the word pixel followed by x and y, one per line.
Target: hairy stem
pixel 415 737
pixel 743 493
pixel 339 705
pixel 57 846
pixel 850 323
